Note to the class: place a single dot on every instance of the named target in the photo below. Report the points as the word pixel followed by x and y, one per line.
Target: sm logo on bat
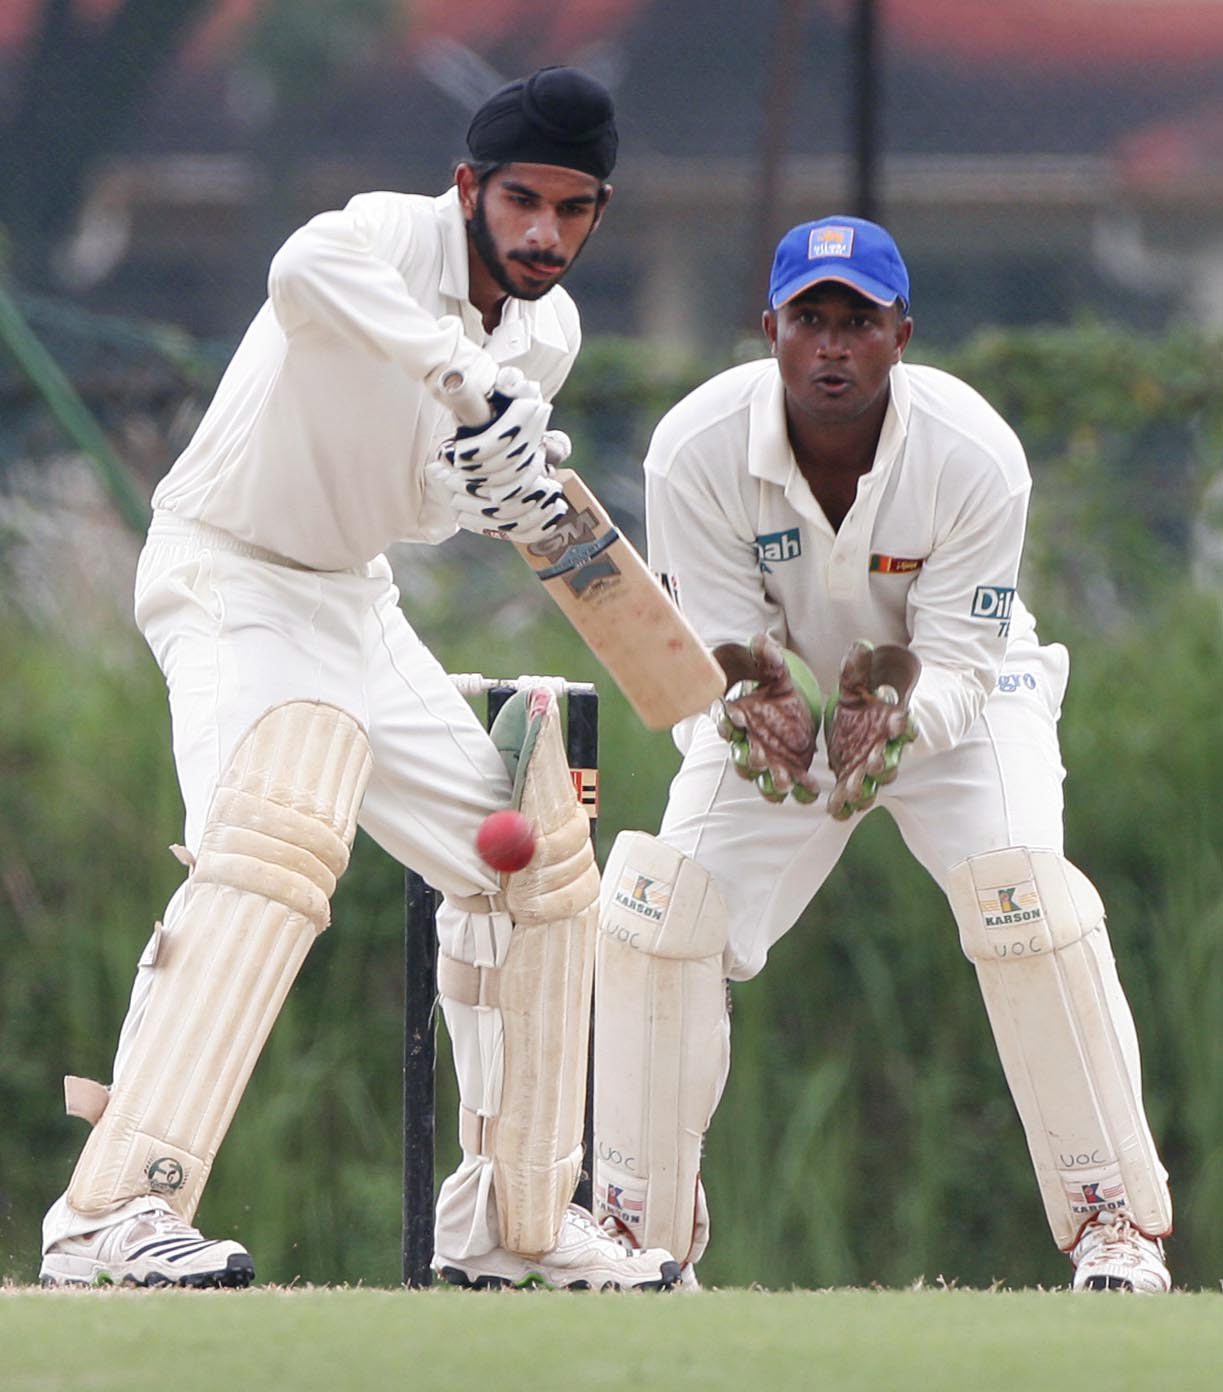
pixel 579 554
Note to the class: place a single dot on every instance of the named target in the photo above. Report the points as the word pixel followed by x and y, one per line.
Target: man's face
pixel 528 222
pixel 835 349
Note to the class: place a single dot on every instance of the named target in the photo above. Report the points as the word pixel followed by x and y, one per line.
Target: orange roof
pixel 1059 33
pixel 1034 33
pixel 554 27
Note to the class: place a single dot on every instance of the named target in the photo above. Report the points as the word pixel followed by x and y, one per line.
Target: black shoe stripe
pixel 167 1246
pixel 186 1252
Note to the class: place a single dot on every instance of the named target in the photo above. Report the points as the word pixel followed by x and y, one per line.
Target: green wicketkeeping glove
pixel 770 715
pixel 868 724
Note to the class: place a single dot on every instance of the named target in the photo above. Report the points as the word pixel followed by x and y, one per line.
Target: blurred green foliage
pixel 866 1134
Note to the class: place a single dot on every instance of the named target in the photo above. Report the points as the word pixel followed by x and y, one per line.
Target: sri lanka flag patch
pixel 896 565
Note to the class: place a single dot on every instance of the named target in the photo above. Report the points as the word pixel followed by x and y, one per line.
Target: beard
pixel 486 248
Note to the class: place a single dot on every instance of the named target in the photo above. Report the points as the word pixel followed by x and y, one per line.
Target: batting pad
pixel 531 1008
pixel 276 839
pixel 1033 926
pixel 661 1039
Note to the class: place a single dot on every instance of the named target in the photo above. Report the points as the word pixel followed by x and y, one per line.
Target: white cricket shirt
pixel 927 556
pixel 315 444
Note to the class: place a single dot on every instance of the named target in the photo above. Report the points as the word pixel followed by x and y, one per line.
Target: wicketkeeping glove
pixel 770 714
pixel 867 724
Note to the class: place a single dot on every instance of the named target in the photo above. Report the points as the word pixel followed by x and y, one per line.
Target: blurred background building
pixel 1038 159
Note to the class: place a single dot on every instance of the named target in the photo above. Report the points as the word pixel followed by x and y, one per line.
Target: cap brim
pixel 864 285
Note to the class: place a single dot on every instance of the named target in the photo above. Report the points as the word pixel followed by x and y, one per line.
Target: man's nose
pixel 544 231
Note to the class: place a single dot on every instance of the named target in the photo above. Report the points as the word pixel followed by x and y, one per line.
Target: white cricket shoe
pixel 1113 1255
pixel 687 1278
pixel 154 1248
pixel 615 1228
pixel 584 1258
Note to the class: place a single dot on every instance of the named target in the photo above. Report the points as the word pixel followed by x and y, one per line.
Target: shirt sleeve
pixel 959 615
pixel 341 272
pixel 704 553
pixel 553 379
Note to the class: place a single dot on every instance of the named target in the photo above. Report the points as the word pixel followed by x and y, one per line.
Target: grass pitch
pixel 320 1340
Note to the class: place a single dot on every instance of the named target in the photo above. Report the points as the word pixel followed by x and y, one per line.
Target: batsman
pixel 395 386
pixel 834 521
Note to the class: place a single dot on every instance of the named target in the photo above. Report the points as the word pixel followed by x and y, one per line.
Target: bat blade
pixel 626 618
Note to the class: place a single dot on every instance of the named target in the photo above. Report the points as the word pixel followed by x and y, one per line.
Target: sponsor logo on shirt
pixel 896 565
pixel 1012 681
pixel 830 241
pixel 994 602
pixel 670 583
pixel 778 546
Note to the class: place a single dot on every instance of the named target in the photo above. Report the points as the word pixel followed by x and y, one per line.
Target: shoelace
pixel 584 1220
pixel 170 1224
pixel 1118 1233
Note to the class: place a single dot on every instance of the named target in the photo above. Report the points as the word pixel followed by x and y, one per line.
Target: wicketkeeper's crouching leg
pixel 276 838
pixel 514 975
pixel 662 1043
pixel 1033 926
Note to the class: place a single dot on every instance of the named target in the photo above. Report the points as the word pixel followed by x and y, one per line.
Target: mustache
pixel 546 259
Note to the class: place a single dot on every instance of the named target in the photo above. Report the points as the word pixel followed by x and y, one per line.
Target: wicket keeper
pixel 832 520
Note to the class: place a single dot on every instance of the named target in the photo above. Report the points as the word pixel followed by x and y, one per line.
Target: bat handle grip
pixel 454 382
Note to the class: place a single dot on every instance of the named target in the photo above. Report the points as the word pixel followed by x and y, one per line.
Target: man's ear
pixel 768 322
pixel 604 198
pixel 904 332
pixel 469 188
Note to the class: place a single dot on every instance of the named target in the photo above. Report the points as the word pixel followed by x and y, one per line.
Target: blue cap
pixel 850 250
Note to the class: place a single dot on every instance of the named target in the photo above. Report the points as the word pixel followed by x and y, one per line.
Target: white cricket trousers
pixel 236 633
pixel 1000 787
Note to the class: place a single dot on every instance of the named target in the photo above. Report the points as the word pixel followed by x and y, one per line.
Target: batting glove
pixel 504 447
pixel 522 512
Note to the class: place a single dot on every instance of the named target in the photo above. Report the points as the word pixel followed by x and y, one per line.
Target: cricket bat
pixel 626 618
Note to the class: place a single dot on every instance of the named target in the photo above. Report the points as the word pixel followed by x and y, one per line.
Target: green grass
pixel 851 1341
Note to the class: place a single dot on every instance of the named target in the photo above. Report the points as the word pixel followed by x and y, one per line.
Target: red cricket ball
pixel 506 840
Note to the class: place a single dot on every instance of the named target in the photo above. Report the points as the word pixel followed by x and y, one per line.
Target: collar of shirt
pixel 770 459
pixel 523 322
pixel 769 456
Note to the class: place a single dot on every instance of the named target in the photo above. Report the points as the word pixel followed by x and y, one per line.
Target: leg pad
pixel 661 1040
pixel 1033 926
pixel 276 838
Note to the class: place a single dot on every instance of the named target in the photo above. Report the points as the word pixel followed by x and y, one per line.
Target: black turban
pixel 556 116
